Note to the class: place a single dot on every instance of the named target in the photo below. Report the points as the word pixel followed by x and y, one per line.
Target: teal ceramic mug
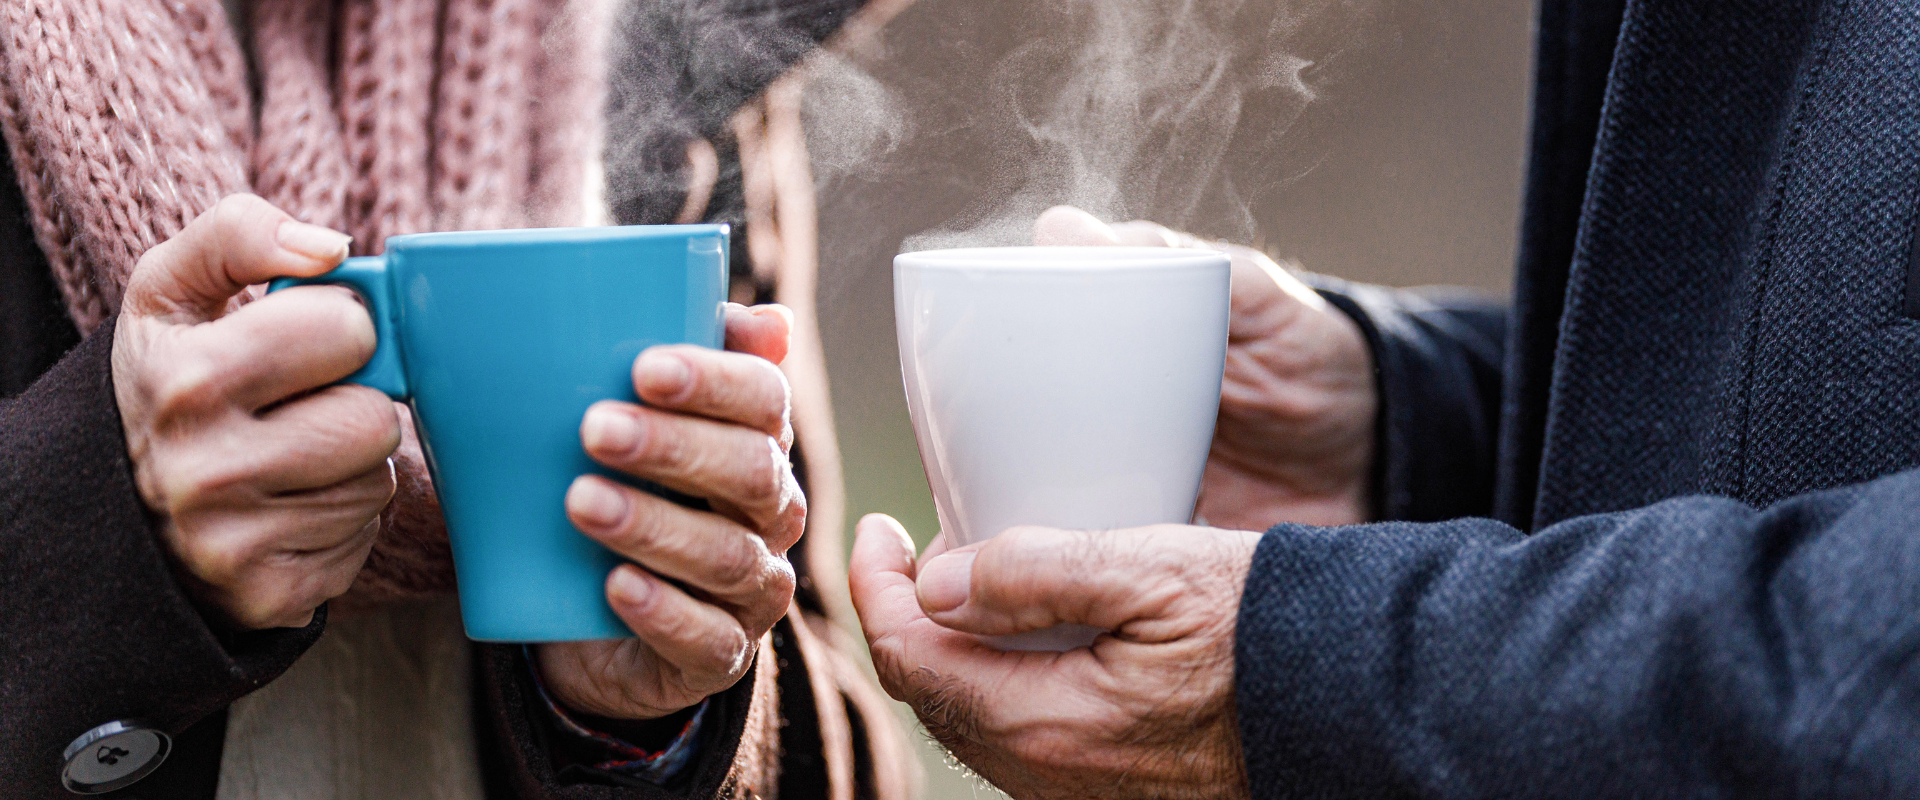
pixel 499 341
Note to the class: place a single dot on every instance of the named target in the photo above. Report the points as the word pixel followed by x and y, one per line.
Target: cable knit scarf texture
pixel 127 118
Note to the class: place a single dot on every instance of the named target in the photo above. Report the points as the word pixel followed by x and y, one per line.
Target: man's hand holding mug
pixel 1146 712
pixel 1148 709
pixel 1294 441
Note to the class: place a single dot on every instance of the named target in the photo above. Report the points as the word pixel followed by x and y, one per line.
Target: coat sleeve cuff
pixel 93 626
pixel 614 747
pixel 535 754
pixel 1324 687
pixel 1437 365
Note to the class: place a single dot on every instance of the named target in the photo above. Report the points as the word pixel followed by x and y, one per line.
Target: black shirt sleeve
pixel 34 328
pixel 1438 358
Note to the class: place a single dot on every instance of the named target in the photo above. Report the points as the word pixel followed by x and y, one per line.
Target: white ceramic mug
pixel 1071 387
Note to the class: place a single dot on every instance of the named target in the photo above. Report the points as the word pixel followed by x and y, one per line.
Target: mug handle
pixel 367 277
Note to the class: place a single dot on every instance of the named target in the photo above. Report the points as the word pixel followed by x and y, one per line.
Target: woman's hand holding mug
pixel 704 585
pixel 267 477
pixel 268 474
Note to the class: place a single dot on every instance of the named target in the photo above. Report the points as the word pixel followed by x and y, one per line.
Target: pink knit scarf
pixel 127 118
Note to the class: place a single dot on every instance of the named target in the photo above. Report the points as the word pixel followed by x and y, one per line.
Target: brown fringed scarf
pixel 127 118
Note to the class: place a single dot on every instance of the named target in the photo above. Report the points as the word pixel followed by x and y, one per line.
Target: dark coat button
pixel 113 756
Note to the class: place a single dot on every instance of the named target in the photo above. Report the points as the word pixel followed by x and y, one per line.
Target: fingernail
pixel 785 314
pixel 663 374
pixel 596 503
pixel 607 430
pixel 627 588
pixel 946 580
pixel 313 241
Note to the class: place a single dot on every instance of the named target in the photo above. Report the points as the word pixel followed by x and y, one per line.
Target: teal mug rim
pixel 585 234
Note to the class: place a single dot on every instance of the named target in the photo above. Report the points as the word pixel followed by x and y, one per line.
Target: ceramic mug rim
pixel 1063 258
pixel 585 234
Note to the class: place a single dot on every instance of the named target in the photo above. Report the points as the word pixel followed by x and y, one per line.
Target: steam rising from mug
pixel 1136 109
pixel 1170 109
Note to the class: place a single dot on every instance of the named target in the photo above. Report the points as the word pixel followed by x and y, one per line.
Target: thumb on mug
pixel 241 241
pixel 1031 578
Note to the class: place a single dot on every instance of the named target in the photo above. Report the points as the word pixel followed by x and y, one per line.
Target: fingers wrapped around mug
pixel 271 563
pixel 705 584
pixel 723 561
pixel 266 480
pixel 1146 712
pixel 715 426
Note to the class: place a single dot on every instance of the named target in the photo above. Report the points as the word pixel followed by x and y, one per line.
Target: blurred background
pixel 1376 140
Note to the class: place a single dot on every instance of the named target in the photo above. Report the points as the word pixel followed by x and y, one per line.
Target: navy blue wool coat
pixel 1659 524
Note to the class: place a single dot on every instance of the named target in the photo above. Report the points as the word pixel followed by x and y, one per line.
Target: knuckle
pixel 747 388
pixel 790 524
pixel 691 637
pixel 726 654
pixel 764 480
pixel 330 584
pixel 776 593
pixel 1017 546
pixel 744 565
pixel 664 445
pixel 235 212
pixel 283 609
pixel 641 531
pixel 382 483
pixel 250 614
pixel 360 499
pixel 647 608
pixel 217 561
pixel 348 324
pixel 719 398
pixel 669 626
pixel 779 408
pixel 193 482
pixel 780 587
pixel 267 612
pixel 191 382
pixel 248 618
pixel 368 417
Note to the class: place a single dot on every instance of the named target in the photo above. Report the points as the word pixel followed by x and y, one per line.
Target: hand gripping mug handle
pixel 367 277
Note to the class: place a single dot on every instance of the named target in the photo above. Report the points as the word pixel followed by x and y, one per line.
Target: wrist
pixel 652 735
pixel 655 750
pixel 1241 499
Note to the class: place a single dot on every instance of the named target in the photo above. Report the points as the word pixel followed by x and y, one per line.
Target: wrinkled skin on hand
pixel 1294 441
pixel 267 480
pixel 1147 712
pixel 705 585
